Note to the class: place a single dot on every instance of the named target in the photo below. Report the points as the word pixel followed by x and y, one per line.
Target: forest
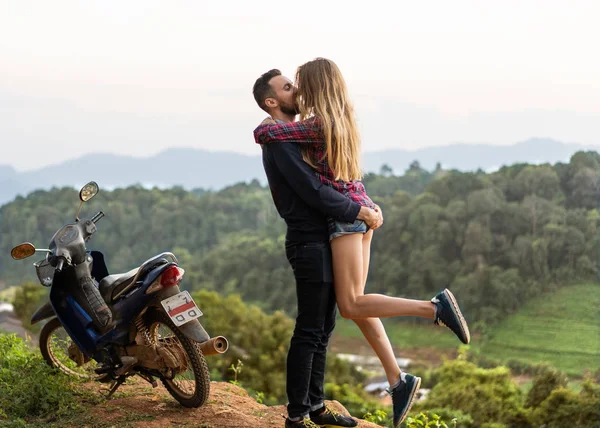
pixel 496 239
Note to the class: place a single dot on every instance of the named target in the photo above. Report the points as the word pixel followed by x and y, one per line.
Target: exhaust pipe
pixel 214 346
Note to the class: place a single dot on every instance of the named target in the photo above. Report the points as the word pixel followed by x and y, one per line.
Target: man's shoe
pixel 403 396
pixel 326 417
pixel 302 423
pixel 448 314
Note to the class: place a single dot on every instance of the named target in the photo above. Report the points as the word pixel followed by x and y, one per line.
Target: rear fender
pixel 192 329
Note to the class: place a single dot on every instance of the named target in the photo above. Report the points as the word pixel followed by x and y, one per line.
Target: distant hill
pixel 193 168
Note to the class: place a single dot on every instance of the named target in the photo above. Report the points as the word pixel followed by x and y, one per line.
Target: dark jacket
pixel 300 197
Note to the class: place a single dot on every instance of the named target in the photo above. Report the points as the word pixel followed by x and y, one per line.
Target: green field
pixel 560 328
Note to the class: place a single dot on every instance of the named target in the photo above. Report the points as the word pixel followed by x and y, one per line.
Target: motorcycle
pixel 111 327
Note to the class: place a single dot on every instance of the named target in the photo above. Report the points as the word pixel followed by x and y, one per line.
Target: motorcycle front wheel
pixel 189 384
pixel 60 352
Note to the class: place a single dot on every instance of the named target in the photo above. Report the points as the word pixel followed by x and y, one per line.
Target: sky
pixel 139 77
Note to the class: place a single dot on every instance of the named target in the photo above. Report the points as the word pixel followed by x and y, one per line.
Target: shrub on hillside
pixel 354 399
pixel 543 385
pixel 341 371
pixel 488 395
pixel 28 297
pixel 565 409
pixel 451 418
pixel 28 386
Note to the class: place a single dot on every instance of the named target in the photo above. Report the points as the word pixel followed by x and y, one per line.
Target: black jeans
pixel 312 265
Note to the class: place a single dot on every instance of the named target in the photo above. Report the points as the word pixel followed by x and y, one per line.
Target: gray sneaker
pixel 403 396
pixel 448 314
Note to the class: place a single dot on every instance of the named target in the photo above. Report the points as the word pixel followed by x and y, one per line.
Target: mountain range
pixel 194 168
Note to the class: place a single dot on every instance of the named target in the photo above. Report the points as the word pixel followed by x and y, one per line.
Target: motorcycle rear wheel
pixel 191 386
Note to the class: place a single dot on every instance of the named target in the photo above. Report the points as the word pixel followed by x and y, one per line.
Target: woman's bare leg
pixel 372 328
pixel 348 268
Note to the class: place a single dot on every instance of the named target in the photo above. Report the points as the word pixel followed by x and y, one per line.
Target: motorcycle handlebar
pixel 97 217
pixel 59 264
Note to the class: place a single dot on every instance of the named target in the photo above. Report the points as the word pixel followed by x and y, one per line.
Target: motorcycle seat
pixel 113 284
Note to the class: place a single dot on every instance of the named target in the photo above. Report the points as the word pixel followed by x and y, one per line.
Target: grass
pixel 562 329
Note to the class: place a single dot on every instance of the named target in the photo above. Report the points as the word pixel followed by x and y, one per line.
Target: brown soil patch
pixel 137 404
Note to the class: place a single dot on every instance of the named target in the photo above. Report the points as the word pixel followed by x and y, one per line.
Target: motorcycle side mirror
pixel 22 251
pixel 86 193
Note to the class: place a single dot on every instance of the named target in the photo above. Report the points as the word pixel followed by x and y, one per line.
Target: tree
pixel 414 166
pixel 541 181
pixel 478 243
pixel 585 186
pixel 454 185
pixel 28 298
pixel 386 170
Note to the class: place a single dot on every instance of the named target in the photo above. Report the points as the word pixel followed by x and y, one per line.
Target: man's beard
pixel 289 110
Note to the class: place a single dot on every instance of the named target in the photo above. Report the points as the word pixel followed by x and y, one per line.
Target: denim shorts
pixel 339 228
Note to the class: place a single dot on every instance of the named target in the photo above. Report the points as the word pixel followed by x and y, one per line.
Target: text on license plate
pixel 181 308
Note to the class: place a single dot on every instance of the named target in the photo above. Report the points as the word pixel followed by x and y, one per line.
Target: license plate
pixel 181 308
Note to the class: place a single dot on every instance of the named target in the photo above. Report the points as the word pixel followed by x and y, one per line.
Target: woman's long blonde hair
pixel 322 92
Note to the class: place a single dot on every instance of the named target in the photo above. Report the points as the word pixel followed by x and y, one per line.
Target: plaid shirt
pixel 309 132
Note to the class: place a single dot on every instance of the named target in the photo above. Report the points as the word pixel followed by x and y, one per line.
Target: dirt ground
pixel 139 405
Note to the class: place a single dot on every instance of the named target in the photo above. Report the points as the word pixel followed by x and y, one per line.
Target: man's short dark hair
pixel 263 90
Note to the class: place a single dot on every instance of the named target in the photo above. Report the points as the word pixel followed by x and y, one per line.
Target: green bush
pixel 428 420
pixel 341 371
pixel 489 398
pixel 565 409
pixel 28 297
pixel 463 420
pixel 354 399
pixel 429 376
pixel 488 395
pixel 28 386
pixel 543 385
pixel 378 417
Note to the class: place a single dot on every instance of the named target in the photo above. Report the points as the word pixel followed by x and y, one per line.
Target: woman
pixel 331 144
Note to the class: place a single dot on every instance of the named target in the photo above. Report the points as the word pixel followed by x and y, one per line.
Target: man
pixel 304 203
